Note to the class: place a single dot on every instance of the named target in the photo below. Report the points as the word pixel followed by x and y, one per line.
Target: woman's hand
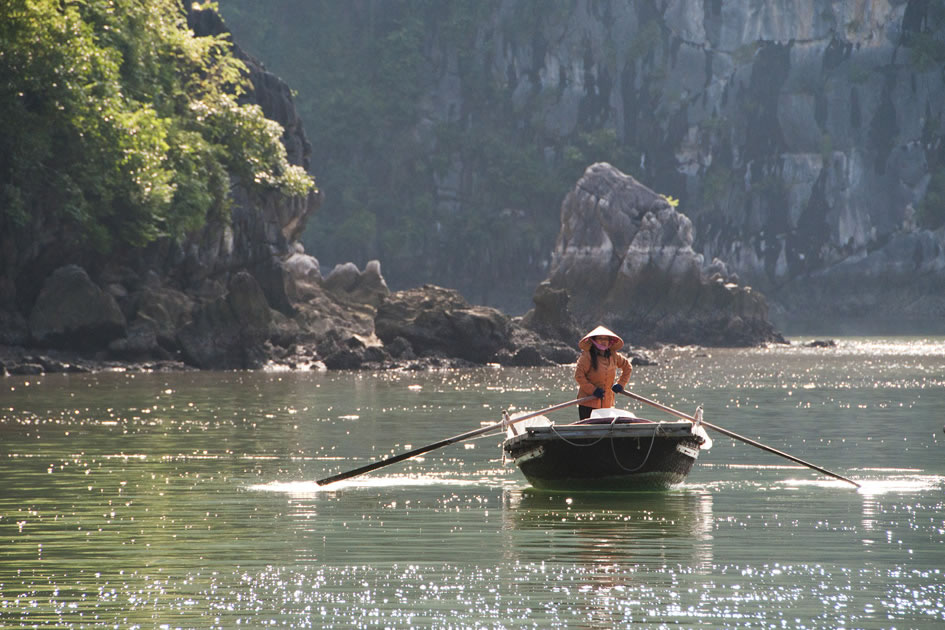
pixel 599 392
pixel 617 388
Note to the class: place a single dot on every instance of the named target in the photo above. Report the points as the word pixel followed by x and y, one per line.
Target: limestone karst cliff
pixel 803 139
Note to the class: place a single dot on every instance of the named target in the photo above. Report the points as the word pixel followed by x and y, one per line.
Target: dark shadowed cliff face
pixel 803 139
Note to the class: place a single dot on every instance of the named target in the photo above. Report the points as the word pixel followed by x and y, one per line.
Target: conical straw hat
pixel 600 331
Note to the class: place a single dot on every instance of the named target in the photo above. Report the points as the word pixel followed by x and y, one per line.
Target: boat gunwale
pixel 629 430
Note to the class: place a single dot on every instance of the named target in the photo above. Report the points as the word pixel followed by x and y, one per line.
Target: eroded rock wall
pixel 800 137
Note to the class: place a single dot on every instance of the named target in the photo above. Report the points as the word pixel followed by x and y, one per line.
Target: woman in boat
pixel 597 369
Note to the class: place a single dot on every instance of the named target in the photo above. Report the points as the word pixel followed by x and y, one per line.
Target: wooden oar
pixel 738 437
pixel 452 440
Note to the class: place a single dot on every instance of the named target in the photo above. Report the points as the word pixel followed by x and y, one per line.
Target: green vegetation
pixel 745 53
pixel 927 46
pixel 644 42
pixel 119 121
pixel 931 210
pixel 716 184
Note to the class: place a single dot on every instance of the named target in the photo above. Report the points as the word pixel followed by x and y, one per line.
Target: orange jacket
pixel 590 379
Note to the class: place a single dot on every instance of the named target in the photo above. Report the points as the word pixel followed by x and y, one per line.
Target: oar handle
pixel 542 412
pixel 742 438
pixel 659 406
pixel 393 459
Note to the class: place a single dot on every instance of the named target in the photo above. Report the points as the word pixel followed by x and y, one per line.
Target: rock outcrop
pixel 74 313
pixel 803 139
pixel 901 285
pixel 439 321
pixel 214 298
pixel 626 258
pixel 551 316
pixel 230 331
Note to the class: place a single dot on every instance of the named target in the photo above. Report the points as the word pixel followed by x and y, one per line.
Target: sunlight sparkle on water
pixel 312 488
pixel 901 484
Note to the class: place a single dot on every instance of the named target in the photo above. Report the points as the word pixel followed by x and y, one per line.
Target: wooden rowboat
pixel 612 450
pixel 604 452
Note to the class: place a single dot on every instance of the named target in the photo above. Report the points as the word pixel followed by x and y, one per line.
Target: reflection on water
pixel 644 527
pixel 148 500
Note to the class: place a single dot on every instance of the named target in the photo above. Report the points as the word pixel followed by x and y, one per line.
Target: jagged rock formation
pixel 552 317
pixel 625 257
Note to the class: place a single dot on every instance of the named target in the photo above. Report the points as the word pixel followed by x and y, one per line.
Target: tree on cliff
pixel 122 125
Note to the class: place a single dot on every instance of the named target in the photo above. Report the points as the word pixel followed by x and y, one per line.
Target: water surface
pixel 188 500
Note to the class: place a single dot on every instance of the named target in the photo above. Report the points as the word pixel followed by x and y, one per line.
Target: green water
pixel 188 500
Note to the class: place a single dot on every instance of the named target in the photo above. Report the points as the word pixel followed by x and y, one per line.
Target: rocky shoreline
pixel 624 256
pixel 20 361
pixel 425 328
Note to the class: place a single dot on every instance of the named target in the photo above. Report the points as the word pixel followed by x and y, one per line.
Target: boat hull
pixel 605 457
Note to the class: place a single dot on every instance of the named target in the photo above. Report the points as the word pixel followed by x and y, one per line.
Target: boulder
pixel 435 320
pixel 72 312
pixel 552 318
pixel 625 256
pixel 231 331
pixel 165 309
pixel 527 356
pixel 303 266
pixel 400 348
pixel 367 287
pixel 140 344
pixel 352 352
pixel 14 329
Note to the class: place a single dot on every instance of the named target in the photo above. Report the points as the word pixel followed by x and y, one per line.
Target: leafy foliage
pixel 927 46
pixel 931 210
pixel 118 119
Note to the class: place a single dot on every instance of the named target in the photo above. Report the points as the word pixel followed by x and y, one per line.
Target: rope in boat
pixel 613 448
pixel 567 441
